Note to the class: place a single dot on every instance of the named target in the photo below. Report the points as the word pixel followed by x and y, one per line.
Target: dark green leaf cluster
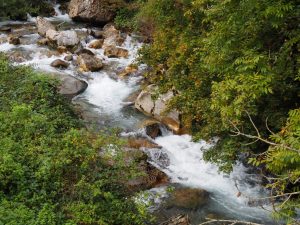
pixel 52 170
pixel 234 65
pixel 18 9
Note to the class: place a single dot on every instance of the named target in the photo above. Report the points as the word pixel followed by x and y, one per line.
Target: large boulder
pixel 70 86
pixel 141 143
pixel 129 70
pixel 150 177
pixel 58 63
pixel 112 51
pixel 88 63
pixel 52 35
pixel 43 26
pixel 152 128
pixel 67 38
pixel 157 107
pixel 188 198
pixel 94 11
pixel 96 44
pixel 112 36
pixel 14 40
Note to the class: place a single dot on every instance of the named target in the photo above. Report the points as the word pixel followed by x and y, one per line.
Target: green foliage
pixel 51 168
pixel 125 17
pixel 228 60
pixel 18 9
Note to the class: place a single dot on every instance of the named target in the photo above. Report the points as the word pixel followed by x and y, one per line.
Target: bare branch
pixel 257 131
pixel 282 195
pixel 268 126
pixel 237 132
pixel 211 221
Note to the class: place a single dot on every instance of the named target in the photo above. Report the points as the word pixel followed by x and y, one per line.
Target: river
pixel 180 158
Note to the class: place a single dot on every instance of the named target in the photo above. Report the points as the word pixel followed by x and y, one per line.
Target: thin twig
pixel 228 221
pixel 237 132
pixel 267 126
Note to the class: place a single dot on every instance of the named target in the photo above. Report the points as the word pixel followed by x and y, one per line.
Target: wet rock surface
pixel 88 63
pixel 101 11
pixel 188 198
pixel 96 44
pixel 43 26
pixel 115 52
pixel 140 142
pixel 157 108
pixel 70 86
pixel 14 40
pixel 58 63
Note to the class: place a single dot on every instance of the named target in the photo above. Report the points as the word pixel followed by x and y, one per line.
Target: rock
pixel 84 51
pixel 71 86
pixel 188 198
pixel 141 143
pixel 100 11
pixel 43 41
pixel 58 63
pixel 89 63
pixel 96 44
pixel 156 108
pixel 26 29
pixel 130 69
pixel 151 177
pixel 52 35
pixel 99 34
pixel 43 26
pixel 68 58
pixel 19 56
pixel 5 29
pixel 112 36
pixel 152 128
pixel 177 220
pixel 14 40
pixel 115 52
pixel 62 49
pixel 67 38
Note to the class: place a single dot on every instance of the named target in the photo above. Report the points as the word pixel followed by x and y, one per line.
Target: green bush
pixel 18 9
pixel 51 171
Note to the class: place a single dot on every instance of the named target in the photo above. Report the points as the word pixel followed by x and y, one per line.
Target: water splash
pixel 187 167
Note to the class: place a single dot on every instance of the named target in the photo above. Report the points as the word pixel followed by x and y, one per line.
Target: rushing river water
pixel 180 158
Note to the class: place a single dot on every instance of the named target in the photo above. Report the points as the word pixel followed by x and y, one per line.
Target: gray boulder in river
pixel 157 107
pixel 69 86
pixel 43 26
pixel 100 11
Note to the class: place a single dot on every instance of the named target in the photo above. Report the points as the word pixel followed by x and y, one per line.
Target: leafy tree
pixel 229 61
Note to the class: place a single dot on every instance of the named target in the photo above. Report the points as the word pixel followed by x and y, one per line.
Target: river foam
pixel 187 167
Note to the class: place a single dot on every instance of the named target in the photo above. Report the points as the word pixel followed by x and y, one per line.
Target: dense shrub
pixel 51 171
pixel 18 9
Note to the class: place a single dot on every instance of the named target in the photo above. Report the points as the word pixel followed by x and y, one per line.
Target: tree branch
pixel 228 221
pixel 237 132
